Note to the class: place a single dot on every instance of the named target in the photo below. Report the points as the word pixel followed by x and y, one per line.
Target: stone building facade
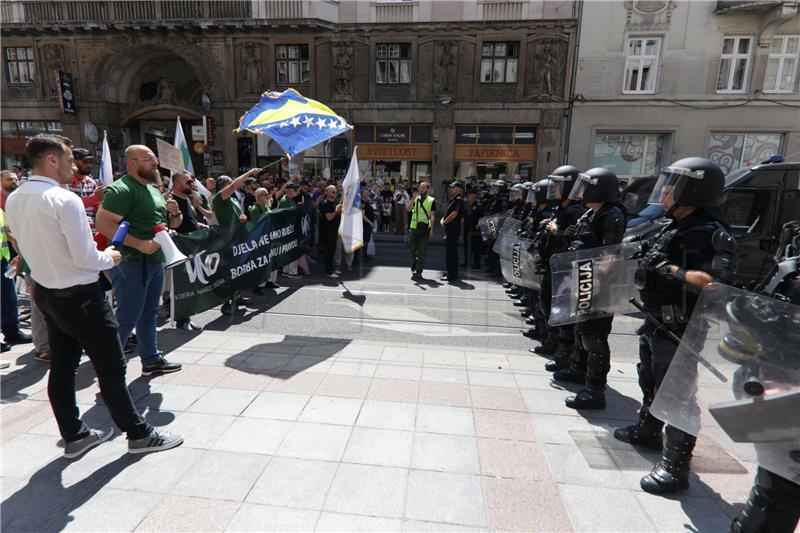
pixel 658 80
pixel 434 88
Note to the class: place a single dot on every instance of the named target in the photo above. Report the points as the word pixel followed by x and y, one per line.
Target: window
pixel 734 65
pixel 641 65
pixel 747 210
pixel 393 63
pixel 734 150
pixel 629 154
pixel 26 128
pixel 499 62
pixel 781 74
pixel 291 62
pixel 20 65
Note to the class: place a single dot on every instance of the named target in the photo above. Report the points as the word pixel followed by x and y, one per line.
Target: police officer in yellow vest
pixel 8 294
pixel 423 217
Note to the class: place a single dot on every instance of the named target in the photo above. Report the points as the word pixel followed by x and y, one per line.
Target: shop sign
pixel 66 92
pixel 404 152
pixel 391 134
pixel 495 153
pixel 218 158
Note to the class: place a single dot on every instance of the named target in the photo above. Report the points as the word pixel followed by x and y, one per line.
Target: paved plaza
pixel 353 423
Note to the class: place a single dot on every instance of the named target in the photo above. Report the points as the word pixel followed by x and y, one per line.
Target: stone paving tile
pixel 130 507
pixel 445 453
pixel 387 415
pixel 222 475
pixel 219 401
pixel 419 526
pixel 353 368
pixel 602 509
pixel 550 402
pixel 502 398
pixel 290 482
pixel 494 361
pixel 569 466
pixel 445 497
pixel 407 356
pixel 153 472
pixel 181 513
pixel 338 522
pixel 497 378
pixel 309 363
pixel 315 441
pixel 524 505
pixel 277 405
pixel 264 363
pixel 382 447
pixel 513 459
pixel 197 375
pixel 444 374
pixel 243 380
pixel 200 430
pixel 171 397
pixel 727 490
pixel 365 351
pixel 503 425
pixel 252 517
pixel 344 386
pixel 398 371
pixel 253 435
pixel 394 390
pixel 305 383
pixel 444 419
pixel 692 514
pixel 368 490
pixel 455 395
pixel 445 357
pixel 25 454
pixel 330 410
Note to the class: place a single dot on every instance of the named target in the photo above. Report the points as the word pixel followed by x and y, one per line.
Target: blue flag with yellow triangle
pixel 295 122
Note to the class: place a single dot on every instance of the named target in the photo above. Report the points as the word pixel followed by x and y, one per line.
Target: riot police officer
pixel 561 181
pixel 473 244
pixel 602 225
pixel 693 250
pixel 542 210
pixel 498 203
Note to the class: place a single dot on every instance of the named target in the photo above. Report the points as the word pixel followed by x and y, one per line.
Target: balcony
pixel 504 9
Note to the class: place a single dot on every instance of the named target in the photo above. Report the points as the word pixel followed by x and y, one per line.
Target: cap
pixel 458 184
pixel 249 181
pixel 82 154
pixel 291 185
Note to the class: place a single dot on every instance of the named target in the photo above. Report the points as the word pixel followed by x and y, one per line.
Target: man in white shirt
pixel 401 201
pixel 52 233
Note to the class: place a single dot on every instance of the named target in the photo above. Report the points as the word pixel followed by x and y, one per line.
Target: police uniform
pixel 698 241
pixel 452 231
pixel 498 203
pixel 473 243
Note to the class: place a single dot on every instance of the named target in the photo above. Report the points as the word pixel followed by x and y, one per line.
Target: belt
pixel 71 291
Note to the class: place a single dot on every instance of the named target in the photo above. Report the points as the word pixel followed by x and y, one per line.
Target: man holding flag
pixel 351 229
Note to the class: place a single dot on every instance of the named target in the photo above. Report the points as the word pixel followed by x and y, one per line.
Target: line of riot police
pixel 574 218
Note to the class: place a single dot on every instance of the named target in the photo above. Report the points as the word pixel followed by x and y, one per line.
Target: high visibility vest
pixel 421 211
pixel 5 253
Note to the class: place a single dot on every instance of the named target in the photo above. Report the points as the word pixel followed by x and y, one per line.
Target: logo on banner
pixel 200 268
pixel 585 270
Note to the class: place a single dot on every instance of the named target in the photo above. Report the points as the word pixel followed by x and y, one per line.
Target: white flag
pixel 180 144
pixel 106 170
pixel 351 227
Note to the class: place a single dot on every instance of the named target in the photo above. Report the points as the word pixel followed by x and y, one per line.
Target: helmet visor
pixel 531 196
pixel 554 187
pixel 515 194
pixel 671 182
pixel 581 184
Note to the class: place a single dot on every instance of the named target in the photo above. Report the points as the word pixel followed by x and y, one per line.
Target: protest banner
pixel 169 157
pixel 226 259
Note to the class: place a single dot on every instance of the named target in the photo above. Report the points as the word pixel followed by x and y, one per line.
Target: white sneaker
pixel 334 275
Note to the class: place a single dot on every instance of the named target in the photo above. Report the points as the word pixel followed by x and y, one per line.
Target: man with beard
pixel 84 185
pixel 9 182
pixel 330 215
pixel 139 278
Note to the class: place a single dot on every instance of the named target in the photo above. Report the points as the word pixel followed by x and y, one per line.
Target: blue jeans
pixel 138 285
pixel 9 311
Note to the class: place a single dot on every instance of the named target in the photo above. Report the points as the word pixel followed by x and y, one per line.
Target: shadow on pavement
pixel 280 359
pixel 11 384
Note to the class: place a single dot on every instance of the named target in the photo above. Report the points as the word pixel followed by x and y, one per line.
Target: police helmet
pixel 528 185
pixel 689 182
pixel 596 185
pixel 500 184
pixel 562 180
pixel 540 190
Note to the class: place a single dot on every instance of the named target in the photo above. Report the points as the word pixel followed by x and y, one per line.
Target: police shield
pixel 593 283
pixel 736 378
pixel 518 263
pixel 507 235
pixel 490 226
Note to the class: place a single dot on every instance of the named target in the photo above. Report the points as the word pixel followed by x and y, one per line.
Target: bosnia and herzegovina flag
pixel 351 227
pixel 293 121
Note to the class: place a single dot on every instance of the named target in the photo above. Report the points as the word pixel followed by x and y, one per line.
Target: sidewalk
pixel 313 433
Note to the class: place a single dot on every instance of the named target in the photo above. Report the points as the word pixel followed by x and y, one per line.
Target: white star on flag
pixel 308 121
pixel 321 123
pixel 331 123
pixel 283 124
pixel 295 122
pixel 342 124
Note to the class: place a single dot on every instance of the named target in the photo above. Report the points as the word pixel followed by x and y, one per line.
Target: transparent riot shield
pixel 519 264
pixel 593 283
pixel 736 378
pixel 490 226
pixel 507 235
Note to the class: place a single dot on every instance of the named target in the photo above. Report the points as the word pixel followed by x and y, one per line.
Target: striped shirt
pixel 85 186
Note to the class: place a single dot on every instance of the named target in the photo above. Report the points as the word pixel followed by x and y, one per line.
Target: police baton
pixel 677 340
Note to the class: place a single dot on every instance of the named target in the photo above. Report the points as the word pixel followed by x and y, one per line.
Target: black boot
pixel 571 374
pixel 587 399
pixel 773 506
pixel 533 333
pixel 671 473
pixel 530 321
pixel 548 347
pixel 646 432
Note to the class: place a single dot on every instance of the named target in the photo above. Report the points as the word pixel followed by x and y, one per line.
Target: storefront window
pixel 734 150
pixel 629 154
pixel 495 152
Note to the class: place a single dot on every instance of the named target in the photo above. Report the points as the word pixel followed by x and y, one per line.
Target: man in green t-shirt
pixel 225 205
pixel 261 206
pixel 139 278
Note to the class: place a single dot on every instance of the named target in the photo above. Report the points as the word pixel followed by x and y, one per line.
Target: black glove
pixel 653 260
pixel 574 246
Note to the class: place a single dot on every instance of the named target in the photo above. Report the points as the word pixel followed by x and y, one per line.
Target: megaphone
pixel 172 255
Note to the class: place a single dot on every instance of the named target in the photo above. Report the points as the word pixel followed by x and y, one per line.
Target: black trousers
pixel 591 342
pixel 328 245
pixel 80 318
pixel 451 251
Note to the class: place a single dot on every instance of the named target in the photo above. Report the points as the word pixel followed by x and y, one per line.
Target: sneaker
pixel 79 447
pixel 156 441
pixel 334 275
pixel 43 357
pixel 162 367
pixel 129 347
pixel 244 300
pixel 291 276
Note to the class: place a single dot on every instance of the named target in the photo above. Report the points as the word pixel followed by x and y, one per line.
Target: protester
pixel 401 201
pixel 53 233
pixel 368 215
pixel 386 214
pixel 8 293
pixel 452 229
pixel 287 201
pixel 423 219
pixel 330 216
pixel 10 182
pixel 250 186
pixel 139 278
